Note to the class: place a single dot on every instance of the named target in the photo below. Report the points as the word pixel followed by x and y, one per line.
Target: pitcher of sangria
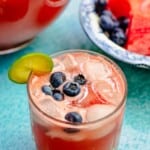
pixel 22 20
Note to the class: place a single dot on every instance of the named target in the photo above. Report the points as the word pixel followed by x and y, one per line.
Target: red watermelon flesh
pixel 138 32
pixel 139 35
pixel 139 29
pixel 119 7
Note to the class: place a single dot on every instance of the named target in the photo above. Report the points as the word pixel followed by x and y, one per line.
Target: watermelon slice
pixel 119 7
pixel 138 35
pixel 138 31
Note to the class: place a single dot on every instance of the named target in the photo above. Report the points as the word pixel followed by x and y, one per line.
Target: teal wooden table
pixel 66 33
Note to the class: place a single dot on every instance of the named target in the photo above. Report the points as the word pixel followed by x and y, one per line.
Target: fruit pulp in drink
pixel 100 103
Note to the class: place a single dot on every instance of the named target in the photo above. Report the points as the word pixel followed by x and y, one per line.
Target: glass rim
pixel 122 102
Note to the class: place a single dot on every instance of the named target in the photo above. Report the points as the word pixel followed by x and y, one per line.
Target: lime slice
pixel 38 63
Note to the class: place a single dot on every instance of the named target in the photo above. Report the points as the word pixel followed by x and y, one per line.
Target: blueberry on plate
pixel 123 22
pixel 71 89
pixel 100 5
pixel 73 117
pixel 116 23
pixel 57 95
pixel 118 36
pixel 46 89
pixel 107 13
pixel 106 23
pixel 57 78
pixel 80 79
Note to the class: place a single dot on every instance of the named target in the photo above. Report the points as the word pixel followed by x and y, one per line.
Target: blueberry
pixel 118 36
pixel 124 22
pixel 73 117
pixel 107 23
pixel 80 79
pixel 100 5
pixel 47 89
pixel 57 78
pixel 107 13
pixel 57 95
pixel 116 24
pixel 71 89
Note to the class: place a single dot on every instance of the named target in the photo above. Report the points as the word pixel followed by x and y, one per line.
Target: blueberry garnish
pixel 73 117
pixel 124 22
pixel 71 88
pixel 118 36
pixel 107 23
pixel 57 95
pixel 47 89
pixel 100 5
pixel 57 78
pixel 80 79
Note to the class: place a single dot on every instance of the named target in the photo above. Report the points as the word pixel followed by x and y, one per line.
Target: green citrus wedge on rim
pixel 37 63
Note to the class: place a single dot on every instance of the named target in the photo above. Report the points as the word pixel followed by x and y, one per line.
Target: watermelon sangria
pixel 79 105
pixel 22 20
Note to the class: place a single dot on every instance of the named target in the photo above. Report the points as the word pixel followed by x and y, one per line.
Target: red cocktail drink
pixel 22 20
pixel 79 105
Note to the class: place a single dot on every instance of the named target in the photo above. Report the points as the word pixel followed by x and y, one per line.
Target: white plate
pixel 89 22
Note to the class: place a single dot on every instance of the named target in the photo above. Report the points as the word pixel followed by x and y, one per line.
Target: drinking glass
pixel 51 133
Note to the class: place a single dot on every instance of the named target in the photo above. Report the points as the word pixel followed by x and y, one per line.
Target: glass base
pixel 16 48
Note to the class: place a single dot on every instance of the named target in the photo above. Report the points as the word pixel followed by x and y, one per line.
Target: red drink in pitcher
pixel 79 105
pixel 22 20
